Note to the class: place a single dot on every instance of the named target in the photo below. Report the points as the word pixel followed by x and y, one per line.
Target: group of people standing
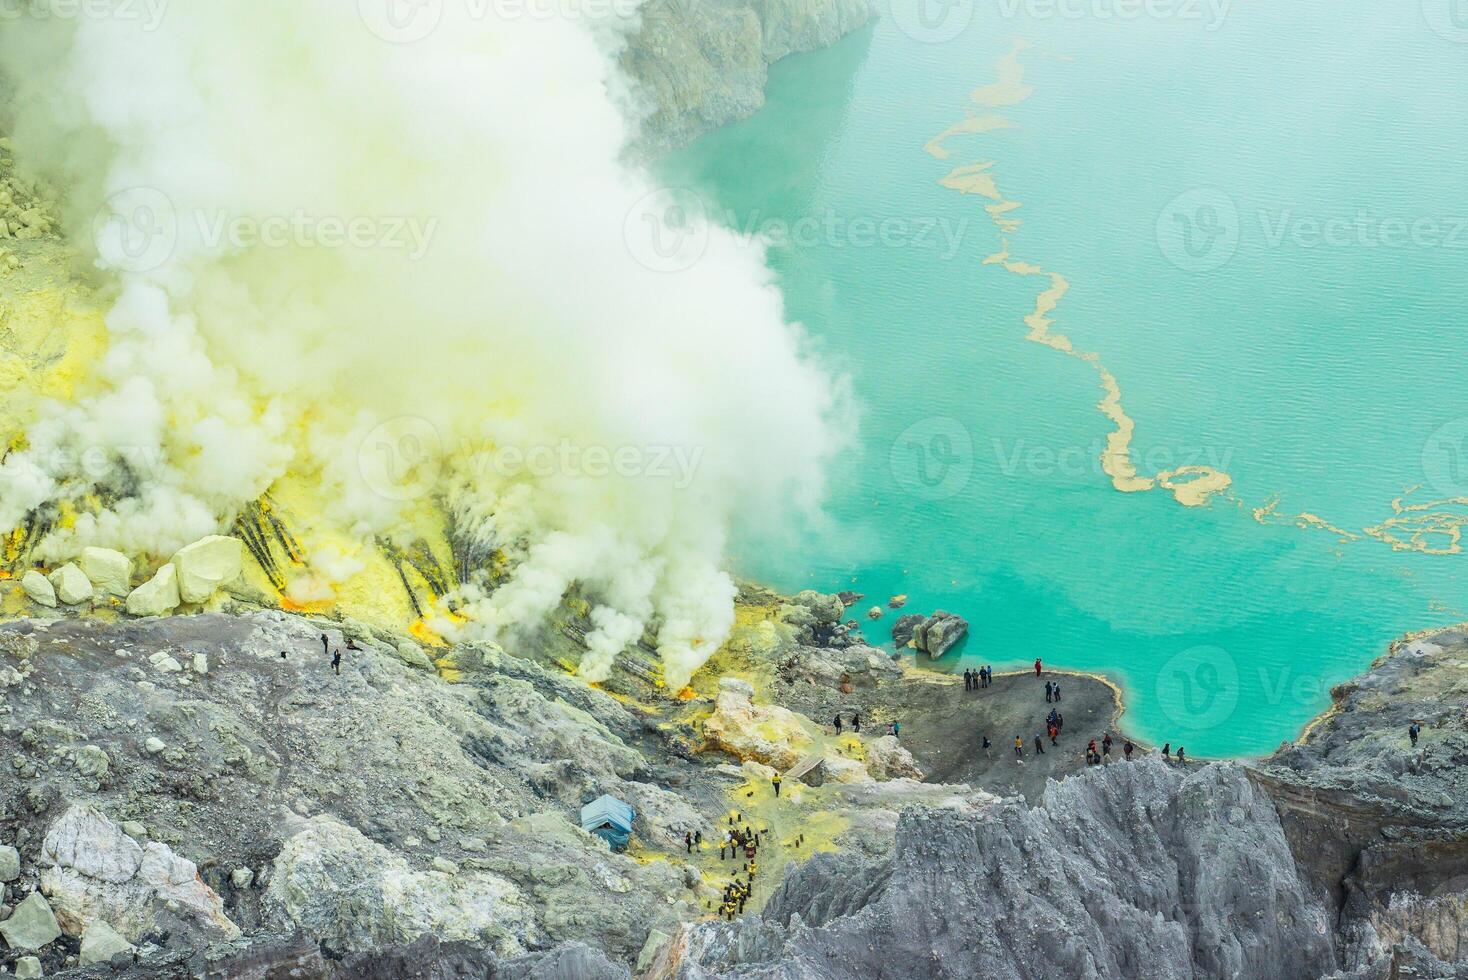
pixel 739 839
pixel 975 679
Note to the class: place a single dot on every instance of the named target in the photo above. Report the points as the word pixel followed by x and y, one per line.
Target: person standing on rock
pixel 775 782
pixel 988 748
pixel 687 843
pixel 1106 745
pixel 1019 746
pixel 1414 730
pixel 837 723
pixel 1037 667
pixel 1181 755
pixel 856 723
pixel 1167 750
pixel 325 646
pixel 336 662
pixel 1126 749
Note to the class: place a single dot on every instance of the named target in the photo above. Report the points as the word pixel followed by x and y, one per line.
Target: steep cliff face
pixel 1137 870
pixel 1381 824
pixel 697 64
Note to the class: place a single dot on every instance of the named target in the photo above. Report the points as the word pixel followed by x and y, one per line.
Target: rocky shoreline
pixel 694 68
pixel 183 800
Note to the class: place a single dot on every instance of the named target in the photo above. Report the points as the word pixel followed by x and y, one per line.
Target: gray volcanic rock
pixel 1382 826
pixel 351 826
pixel 905 627
pixel 1135 870
pixel 939 633
pixel 488 774
pixel 696 66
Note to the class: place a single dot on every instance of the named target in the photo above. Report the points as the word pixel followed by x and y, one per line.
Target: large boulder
pixel 905 627
pixel 764 733
pixel 71 584
pixel 31 925
pixel 111 571
pixel 887 759
pixel 156 597
pixel 101 942
pixel 353 894
pixel 93 870
pixel 207 565
pixel 38 588
pixel 939 633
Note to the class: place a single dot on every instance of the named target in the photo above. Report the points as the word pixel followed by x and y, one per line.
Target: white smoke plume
pixel 329 238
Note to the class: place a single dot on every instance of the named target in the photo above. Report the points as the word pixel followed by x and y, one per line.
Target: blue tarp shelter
pixel 610 819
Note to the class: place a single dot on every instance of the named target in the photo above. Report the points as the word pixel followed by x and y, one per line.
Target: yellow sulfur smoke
pixel 397 284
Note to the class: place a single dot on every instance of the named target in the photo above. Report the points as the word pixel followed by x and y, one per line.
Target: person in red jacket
pixel 1037 666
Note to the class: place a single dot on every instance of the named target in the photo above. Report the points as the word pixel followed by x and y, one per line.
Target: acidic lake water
pixel 1259 212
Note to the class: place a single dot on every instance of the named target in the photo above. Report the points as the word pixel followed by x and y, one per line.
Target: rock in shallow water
pixel 905 627
pixel 939 633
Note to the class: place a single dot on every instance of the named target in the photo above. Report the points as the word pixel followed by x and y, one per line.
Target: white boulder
pixel 156 597
pixel 341 888
pixel 111 571
pixel 71 584
pixel 165 663
pixel 38 588
pixel 207 565
pixel 92 870
pixel 886 759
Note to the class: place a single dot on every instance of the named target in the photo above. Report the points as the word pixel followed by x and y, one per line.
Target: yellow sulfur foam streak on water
pixel 1191 486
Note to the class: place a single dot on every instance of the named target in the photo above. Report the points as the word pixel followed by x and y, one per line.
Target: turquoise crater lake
pixel 1261 215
